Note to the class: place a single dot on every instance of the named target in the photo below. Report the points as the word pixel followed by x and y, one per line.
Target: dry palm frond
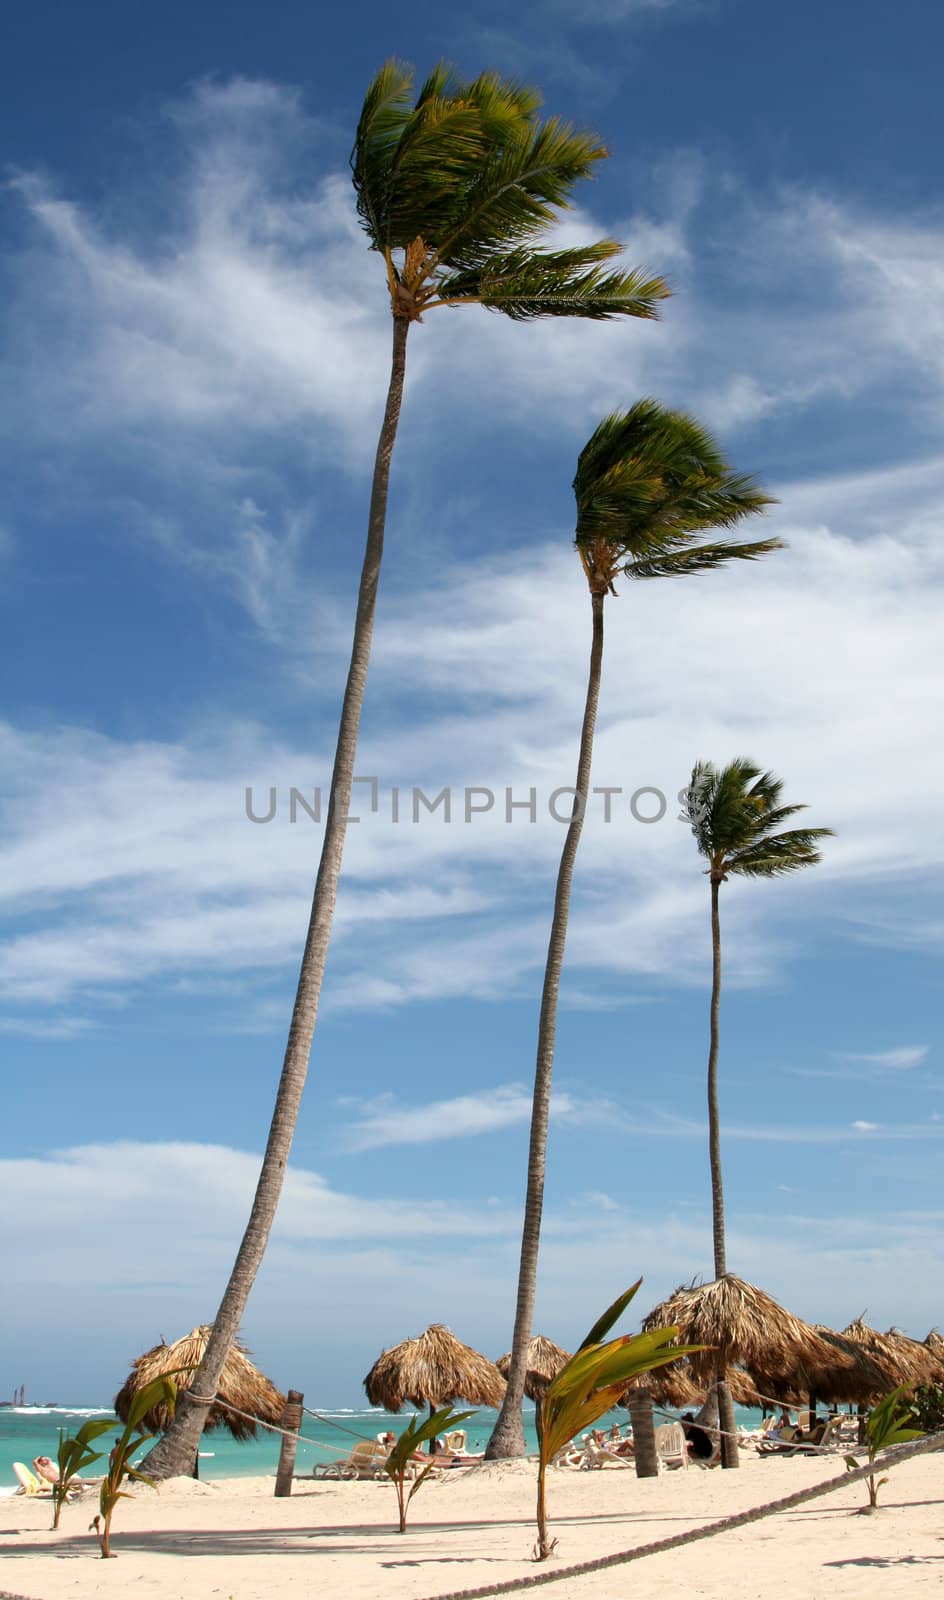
pixel 433 1369
pixel 241 1384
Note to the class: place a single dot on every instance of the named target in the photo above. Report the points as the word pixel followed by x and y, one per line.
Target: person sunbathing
pixel 46 1469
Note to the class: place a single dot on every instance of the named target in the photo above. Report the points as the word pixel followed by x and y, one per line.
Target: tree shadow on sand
pixel 885 1561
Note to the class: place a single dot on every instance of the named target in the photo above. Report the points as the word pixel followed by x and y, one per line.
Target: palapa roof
pixel 241 1384
pixel 767 1352
pixel 857 1374
pixel 904 1360
pixel 744 1327
pixel 545 1360
pixel 935 1344
pixel 433 1369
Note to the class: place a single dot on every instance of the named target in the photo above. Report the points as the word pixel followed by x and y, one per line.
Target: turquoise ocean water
pixel 29 1431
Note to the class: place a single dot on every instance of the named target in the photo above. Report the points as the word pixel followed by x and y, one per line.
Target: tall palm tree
pixel 736 812
pixel 649 482
pixel 453 189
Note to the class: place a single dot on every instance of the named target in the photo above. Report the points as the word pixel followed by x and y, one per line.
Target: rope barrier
pixel 892 1458
pixel 287 1433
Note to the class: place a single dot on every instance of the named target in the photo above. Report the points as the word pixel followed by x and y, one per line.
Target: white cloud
pixel 385 1122
pixel 258 306
pixel 899 1060
pixel 866 1127
pixel 141 1236
pixel 146 867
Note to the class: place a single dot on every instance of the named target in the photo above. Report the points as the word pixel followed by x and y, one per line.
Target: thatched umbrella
pixel 773 1354
pixel 935 1344
pixel 545 1361
pixel 241 1384
pixel 743 1328
pixel 903 1360
pixel 853 1372
pixel 433 1369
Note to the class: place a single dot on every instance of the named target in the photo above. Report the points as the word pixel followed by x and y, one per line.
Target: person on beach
pixel 45 1468
pixel 780 1429
pixel 700 1447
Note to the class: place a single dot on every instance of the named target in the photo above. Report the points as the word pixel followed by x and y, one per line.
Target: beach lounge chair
pixel 366 1460
pixel 28 1481
pixel 456 1441
pixel 671 1445
pixel 597 1455
pixel 827 1436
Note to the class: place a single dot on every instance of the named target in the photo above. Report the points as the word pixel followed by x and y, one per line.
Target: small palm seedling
pixel 591 1383
pixel 74 1454
pixel 888 1424
pixel 401 1464
pixel 161 1391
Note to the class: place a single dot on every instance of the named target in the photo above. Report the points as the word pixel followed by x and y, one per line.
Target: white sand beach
pixel 233 1541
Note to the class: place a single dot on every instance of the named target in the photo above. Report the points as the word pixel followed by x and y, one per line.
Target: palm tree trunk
pixel 508 1434
pixel 645 1455
pixel 729 1444
pixel 175 1452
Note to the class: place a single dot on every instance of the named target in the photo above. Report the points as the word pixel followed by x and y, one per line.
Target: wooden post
pixel 291 1421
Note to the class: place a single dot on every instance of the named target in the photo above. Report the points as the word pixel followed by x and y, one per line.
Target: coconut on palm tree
pixel 649 483
pixel 737 818
pixel 455 188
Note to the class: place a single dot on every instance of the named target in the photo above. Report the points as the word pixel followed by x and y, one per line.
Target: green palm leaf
pixel 736 811
pixel 648 481
pixel 461 181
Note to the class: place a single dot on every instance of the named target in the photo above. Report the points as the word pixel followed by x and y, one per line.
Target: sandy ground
pixel 234 1541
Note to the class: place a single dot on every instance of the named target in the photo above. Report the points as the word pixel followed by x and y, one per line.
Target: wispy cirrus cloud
pixel 901 1059
pixel 859 1064
pixel 384 1121
pixel 152 870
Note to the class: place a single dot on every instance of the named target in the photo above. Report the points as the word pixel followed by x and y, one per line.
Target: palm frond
pixel 386 109
pixel 785 852
pixel 734 810
pixel 526 179
pixel 647 481
pixel 703 558
pixel 528 284
pixel 463 179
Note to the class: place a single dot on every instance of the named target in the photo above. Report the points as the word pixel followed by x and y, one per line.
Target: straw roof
pixel 768 1353
pixel 545 1361
pixel 904 1360
pixel 433 1370
pixel 241 1384
pixel 744 1327
pixel 935 1344
pixel 857 1374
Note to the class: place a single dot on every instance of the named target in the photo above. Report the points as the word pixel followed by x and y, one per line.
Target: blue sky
pixel 195 349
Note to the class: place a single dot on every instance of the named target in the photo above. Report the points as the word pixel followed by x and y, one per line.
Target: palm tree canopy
pixel 649 480
pixel 455 185
pixel 735 811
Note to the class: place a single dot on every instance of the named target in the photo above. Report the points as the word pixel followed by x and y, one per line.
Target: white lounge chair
pixel 28 1481
pixel 671 1445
